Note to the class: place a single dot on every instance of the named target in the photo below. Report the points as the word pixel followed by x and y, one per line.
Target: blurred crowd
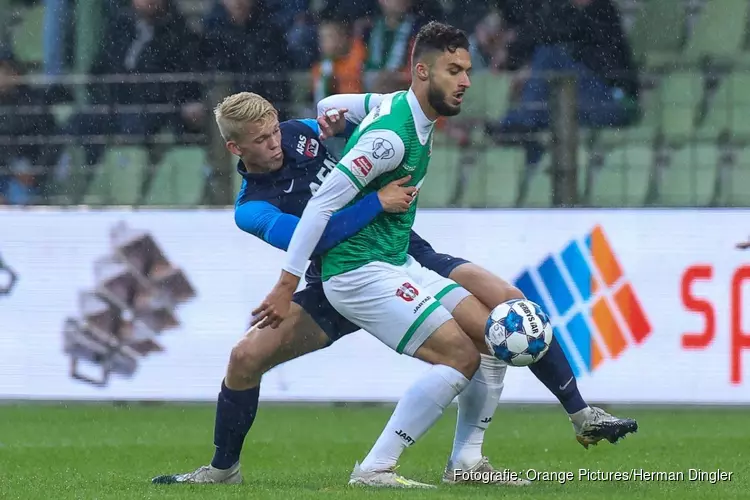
pixel 341 45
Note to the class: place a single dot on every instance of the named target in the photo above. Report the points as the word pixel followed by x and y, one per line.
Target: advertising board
pixel 650 306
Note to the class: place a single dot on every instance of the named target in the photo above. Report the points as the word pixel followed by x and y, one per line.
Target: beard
pixel 438 100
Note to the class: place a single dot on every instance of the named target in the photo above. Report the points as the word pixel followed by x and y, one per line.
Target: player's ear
pixel 422 71
pixel 232 147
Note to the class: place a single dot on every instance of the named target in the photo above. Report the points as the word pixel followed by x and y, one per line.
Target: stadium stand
pixel 690 146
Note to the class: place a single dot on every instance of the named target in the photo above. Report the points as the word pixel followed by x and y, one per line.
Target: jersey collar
pixel 250 175
pixel 422 123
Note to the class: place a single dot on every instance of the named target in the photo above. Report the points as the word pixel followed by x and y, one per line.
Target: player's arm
pixel 276 228
pixel 357 106
pixel 355 170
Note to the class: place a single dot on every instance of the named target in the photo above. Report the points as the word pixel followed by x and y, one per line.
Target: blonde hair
pixel 239 109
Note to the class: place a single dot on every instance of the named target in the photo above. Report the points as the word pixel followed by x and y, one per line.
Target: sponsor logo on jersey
pixel 301 143
pixel 308 146
pixel 361 166
pixel 407 292
pixel 421 304
pixel 382 149
pixel 311 150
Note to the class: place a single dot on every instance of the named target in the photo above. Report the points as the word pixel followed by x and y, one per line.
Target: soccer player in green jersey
pixel 371 280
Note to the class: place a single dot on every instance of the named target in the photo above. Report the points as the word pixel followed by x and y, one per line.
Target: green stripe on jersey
pixel 351 176
pixel 442 293
pixel 413 328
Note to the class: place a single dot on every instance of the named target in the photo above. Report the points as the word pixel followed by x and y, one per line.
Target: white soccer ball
pixel 518 332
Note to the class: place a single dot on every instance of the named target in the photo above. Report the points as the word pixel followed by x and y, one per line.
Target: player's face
pixel 449 79
pixel 260 146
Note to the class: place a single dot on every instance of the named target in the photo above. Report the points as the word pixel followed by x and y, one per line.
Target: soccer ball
pixel 518 332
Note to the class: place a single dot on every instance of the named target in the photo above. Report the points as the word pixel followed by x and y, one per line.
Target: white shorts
pixel 400 305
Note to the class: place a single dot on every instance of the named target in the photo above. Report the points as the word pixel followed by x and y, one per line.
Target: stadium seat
pixel 719 32
pixel 442 177
pixel 539 187
pixel 737 188
pixel 179 179
pixel 488 96
pixel 624 177
pixel 494 180
pixel 680 95
pixel 690 177
pixel 729 110
pixel 28 35
pixel 644 131
pixel 658 32
pixel 70 179
pixel 539 181
pixel 119 178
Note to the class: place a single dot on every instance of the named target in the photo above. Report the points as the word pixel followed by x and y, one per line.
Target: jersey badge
pixel 382 149
pixel 361 166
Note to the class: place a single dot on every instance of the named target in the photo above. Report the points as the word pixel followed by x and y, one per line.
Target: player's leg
pixel 478 402
pixel 237 403
pixel 384 301
pixel 591 424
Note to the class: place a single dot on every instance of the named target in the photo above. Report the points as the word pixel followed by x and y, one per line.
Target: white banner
pixel 651 306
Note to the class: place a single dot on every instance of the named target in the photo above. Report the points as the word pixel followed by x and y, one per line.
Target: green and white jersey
pixel 394 140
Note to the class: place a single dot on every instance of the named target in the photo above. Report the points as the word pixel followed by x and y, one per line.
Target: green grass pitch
pixel 58 451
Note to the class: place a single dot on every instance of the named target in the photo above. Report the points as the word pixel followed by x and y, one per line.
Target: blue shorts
pixel 313 300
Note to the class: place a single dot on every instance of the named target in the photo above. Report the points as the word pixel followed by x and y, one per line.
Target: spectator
pixel 295 20
pixel 489 43
pixel 152 38
pixel 25 156
pixel 587 40
pixel 342 56
pixel 389 41
pixel 584 37
pixel 240 38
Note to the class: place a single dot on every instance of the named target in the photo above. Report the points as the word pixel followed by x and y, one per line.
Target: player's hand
pixel 275 307
pixel 744 245
pixel 332 122
pixel 396 198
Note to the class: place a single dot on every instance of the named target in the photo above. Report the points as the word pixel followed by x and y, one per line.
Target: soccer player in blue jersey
pixel 282 165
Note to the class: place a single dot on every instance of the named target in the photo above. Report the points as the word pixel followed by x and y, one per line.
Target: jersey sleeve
pixel 312 124
pixel 276 228
pixel 335 193
pixel 375 153
pixel 257 218
pixel 358 105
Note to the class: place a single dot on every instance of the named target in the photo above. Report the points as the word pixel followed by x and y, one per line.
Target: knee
pixel 245 361
pixel 465 357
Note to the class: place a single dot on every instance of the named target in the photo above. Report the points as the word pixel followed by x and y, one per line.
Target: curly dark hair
pixel 435 36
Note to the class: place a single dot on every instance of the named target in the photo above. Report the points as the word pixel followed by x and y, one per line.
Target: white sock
pixel 476 406
pixel 418 410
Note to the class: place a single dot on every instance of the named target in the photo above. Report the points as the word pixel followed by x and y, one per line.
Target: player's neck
pixel 424 104
pixel 253 169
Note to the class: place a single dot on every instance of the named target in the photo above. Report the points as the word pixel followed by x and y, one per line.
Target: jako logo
pixel 592 305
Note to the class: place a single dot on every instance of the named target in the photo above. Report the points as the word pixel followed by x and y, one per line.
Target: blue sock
pixel 554 371
pixel 235 413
